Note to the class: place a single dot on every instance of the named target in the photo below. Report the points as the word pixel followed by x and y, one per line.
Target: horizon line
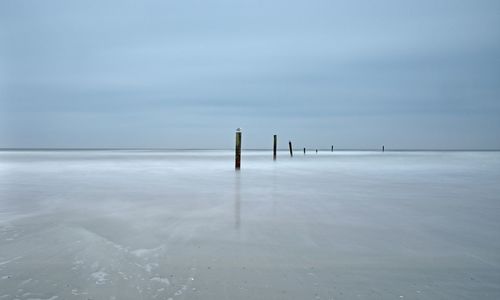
pixel 230 149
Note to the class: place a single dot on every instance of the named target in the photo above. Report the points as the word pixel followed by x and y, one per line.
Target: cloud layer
pixel 185 74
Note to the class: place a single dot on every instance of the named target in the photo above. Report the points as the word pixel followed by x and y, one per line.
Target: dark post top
pixel 275 146
pixel 237 157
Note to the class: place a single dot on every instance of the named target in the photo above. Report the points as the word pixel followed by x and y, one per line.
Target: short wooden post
pixel 332 148
pixel 316 151
pixel 237 158
pixel 275 145
pixel 304 151
pixel 383 148
pixel 290 147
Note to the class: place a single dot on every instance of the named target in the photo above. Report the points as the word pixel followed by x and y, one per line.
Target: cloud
pixel 215 64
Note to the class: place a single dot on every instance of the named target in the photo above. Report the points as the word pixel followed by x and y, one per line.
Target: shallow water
pixel 139 224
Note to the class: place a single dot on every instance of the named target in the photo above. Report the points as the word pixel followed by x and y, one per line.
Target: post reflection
pixel 273 191
pixel 237 201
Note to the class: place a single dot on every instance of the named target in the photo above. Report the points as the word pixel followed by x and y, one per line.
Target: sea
pixel 184 224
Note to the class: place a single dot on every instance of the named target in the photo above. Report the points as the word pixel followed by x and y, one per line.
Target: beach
pixel 183 224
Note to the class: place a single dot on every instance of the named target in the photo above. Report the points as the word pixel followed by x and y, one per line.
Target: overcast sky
pixel 186 74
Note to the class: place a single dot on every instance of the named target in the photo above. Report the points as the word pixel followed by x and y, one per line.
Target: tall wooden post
pixel 275 145
pixel 290 147
pixel 237 158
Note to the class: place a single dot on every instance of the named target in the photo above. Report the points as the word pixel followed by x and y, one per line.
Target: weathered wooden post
pixel 237 158
pixel 290 147
pixel 275 145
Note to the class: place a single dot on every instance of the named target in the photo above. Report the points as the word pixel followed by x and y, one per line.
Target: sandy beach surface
pixel 138 224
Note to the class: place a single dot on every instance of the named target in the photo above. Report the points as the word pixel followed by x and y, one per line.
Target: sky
pixel 185 74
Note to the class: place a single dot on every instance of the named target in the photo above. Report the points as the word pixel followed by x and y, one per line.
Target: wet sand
pixel 185 225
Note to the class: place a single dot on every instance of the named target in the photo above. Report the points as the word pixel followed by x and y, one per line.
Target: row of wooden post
pixel 237 157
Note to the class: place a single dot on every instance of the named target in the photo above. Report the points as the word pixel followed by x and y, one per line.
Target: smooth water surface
pixel 140 224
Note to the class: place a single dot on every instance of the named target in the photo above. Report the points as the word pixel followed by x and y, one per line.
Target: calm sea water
pixel 137 224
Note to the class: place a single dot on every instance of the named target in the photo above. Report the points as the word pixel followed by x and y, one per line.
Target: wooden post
pixel 290 147
pixel 383 148
pixel 275 145
pixel 304 151
pixel 237 158
pixel 332 148
pixel 316 151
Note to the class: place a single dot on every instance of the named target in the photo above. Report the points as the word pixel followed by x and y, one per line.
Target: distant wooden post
pixel 290 147
pixel 316 151
pixel 304 151
pixel 237 158
pixel 332 148
pixel 275 145
pixel 383 148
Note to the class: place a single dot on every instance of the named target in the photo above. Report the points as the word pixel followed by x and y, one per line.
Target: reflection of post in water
pixel 237 201
pixel 273 191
